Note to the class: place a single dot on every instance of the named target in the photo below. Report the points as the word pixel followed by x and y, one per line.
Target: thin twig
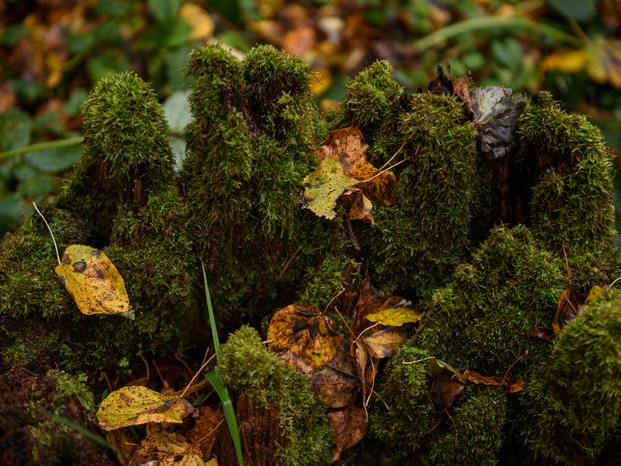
pixel 34 204
pixel 381 172
pixel 196 375
pixel 394 155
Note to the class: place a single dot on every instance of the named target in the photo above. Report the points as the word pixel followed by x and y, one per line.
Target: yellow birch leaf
pixel 593 294
pixel 202 24
pixel 130 406
pixel 93 281
pixel 395 317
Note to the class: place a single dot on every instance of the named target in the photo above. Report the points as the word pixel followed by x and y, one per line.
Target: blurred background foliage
pixel 53 51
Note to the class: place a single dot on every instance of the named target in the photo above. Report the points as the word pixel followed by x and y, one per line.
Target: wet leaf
pixel 130 406
pixel 385 343
pixel 349 426
pixel 164 448
pixel 344 170
pixel 307 340
pixel 324 186
pixel 395 317
pixel 445 388
pixel 496 111
pixel 93 281
pixel 306 333
pixel 594 293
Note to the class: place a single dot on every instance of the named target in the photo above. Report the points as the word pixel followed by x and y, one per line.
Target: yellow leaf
pixel 167 448
pixel 202 24
pixel 130 406
pixel 324 186
pixel 593 294
pixel 385 343
pixel 321 80
pixel 93 281
pixel 566 62
pixel 395 317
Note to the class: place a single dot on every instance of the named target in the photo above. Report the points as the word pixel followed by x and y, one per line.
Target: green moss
pixel 474 432
pixel 246 364
pixel 126 151
pixel 419 241
pixel 251 140
pixel 571 203
pixel 411 414
pixel 573 401
pixel 71 387
pixel 373 103
pixel 482 319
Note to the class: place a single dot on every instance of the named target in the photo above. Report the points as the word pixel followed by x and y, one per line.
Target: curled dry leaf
pixel 93 281
pixel 166 449
pixel 445 388
pixel 130 406
pixel 349 426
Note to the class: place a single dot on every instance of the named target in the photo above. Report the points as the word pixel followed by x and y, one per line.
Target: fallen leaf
pixel 324 186
pixel 445 388
pixel 320 81
pixel 395 317
pixel 385 343
pixel 206 427
pixel 594 293
pixel 545 334
pixel 344 170
pixel 568 61
pixel 496 111
pixel 306 340
pixel 167 449
pixel 480 379
pixel 304 332
pixel 93 281
pixel 349 426
pixel 200 21
pixel 130 406
pixel 370 301
pixel 567 309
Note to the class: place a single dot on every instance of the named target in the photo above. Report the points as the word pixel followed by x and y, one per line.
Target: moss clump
pixel 482 319
pixel 247 365
pixel 374 102
pixel 573 401
pixel 470 432
pixel 126 152
pixel 405 389
pixel 419 241
pixel 571 179
pixel 250 144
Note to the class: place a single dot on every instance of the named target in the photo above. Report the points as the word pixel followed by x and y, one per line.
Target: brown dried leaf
pixel 384 343
pixel 167 449
pixel 206 426
pixel 371 301
pixel 349 426
pixel 445 388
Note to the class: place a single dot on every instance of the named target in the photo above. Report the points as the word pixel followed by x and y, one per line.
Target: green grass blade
pixel 63 421
pixel 217 383
pixel 212 318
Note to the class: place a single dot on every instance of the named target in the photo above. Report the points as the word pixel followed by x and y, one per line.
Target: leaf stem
pixel 41 146
pixel 34 204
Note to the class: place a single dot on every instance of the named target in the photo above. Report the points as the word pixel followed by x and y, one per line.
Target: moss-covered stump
pixel 485 240
pixel 281 420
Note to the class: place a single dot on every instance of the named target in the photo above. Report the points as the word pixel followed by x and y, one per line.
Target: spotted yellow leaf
pixel 130 406
pixel 93 281
pixel 395 317
pixel 167 449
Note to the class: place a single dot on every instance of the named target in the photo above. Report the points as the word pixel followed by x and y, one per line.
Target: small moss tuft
pixel 247 365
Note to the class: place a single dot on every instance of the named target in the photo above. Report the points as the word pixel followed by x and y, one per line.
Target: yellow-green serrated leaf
pixel 130 406
pixel 93 281
pixel 395 317
pixel 324 186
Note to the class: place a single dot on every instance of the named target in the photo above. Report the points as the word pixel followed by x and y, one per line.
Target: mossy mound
pixel 295 416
